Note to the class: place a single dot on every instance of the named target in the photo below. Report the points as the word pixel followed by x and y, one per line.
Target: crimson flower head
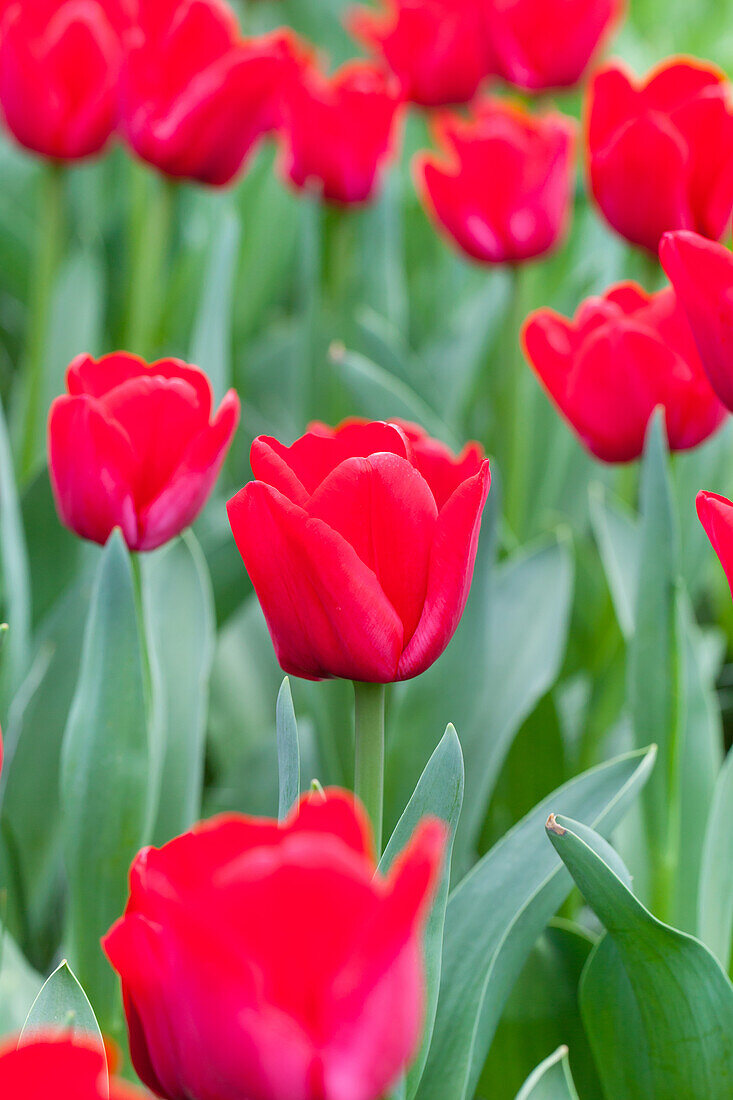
pixel 622 356
pixel 195 96
pixel 542 44
pixel 436 48
pixel 661 150
pixel 134 446
pixel 501 186
pixel 701 272
pixel 267 961
pixel 66 1068
pixel 340 131
pixel 360 542
pixel 59 69
pixel 716 515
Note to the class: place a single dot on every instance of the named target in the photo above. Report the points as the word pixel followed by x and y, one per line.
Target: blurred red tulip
pixel 195 96
pixel 275 961
pixel 541 44
pixel 360 542
pixel 502 186
pixel 340 131
pixel 133 446
pixel 64 1068
pixel 716 516
pixel 59 70
pixel 661 150
pixel 622 356
pixel 436 48
pixel 701 272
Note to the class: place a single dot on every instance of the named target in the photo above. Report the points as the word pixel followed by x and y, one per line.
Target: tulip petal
pixel 98 376
pixel 269 461
pixel 451 570
pixel 716 515
pixel 325 609
pixel 338 814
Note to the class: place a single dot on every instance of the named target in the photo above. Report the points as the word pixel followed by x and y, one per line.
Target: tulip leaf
pixel 616 533
pixel 180 618
pixel 19 984
pixel 288 751
pixel 14 578
pixel 61 1005
pixel 684 999
pixel 210 345
pixel 495 915
pixel 552 1080
pixel 715 907
pixel 107 795
pixel 439 793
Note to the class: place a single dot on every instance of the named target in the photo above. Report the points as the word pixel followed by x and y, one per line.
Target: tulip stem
pixel 150 230
pixel 369 762
pixel 49 251
pixel 518 415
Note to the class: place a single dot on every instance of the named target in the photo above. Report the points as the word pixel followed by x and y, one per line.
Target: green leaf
pixel 288 751
pixel 439 793
pixel 551 1080
pixel 684 999
pixel 180 618
pixel 15 576
pixel 715 910
pixel 616 533
pixel 62 1005
pixel 107 792
pixel 211 342
pixel 495 915
pixel 19 984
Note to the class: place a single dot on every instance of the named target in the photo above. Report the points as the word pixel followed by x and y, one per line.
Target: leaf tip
pixel 552 826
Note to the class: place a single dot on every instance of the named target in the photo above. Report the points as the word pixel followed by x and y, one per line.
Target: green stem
pixel 49 251
pixel 369 764
pixel 517 414
pixel 151 220
pixel 312 396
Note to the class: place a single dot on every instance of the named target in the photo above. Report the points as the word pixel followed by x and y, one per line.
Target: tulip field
pixel 366 550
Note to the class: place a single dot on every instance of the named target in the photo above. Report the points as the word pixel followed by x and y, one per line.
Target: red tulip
pixel 274 962
pixel 436 48
pixel 701 272
pixel 340 131
pixel 541 44
pixel 716 516
pixel 59 68
pixel 502 187
pixel 195 96
pixel 134 447
pixel 65 1068
pixel 661 150
pixel 623 355
pixel 360 543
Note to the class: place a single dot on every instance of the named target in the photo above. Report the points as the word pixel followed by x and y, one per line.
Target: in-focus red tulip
pixel 701 272
pixel 360 542
pixel 501 187
pixel 134 446
pixel 67 1069
pixel 716 516
pixel 622 356
pixel 436 48
pixel 541 44
pixel 340 131
pixel 195 96
pixel 267 961
pixel 661 150
pixel 59 70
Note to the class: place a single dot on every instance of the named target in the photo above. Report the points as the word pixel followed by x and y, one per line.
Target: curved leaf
pixel 551 1080
pixel 288 751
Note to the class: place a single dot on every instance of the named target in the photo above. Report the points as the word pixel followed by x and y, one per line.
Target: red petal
pixel 716 516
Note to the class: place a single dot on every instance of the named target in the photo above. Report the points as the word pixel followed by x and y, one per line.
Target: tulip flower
pixel 542 44
pixel 267 961
pixel 436 48
pixel 340 131
pixel 360 545
pixel 134 446
pixel 65 1068
pixel 716 516
pixel 59 68
pixel 622 356
pixel 195 96
pixel 701 272
pixel 661 150
pixel 501 188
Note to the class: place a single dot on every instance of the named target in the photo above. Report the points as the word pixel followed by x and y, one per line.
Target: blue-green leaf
pixel 551 1080
pixel 288 751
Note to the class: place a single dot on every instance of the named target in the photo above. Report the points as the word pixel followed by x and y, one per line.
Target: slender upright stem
pixel 519 427
pixel 369 765
pixel 49 252
pixel 313 385
pixel 150 231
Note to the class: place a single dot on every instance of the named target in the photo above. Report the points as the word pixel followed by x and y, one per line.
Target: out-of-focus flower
pixel 275 961
pixel 541 44
pixel 622 356
pixel 661 150
pixel 436 48
pixel 701 272
pixel 716 516
pixel 67 1069
pixel 134 446
pixel 360 542
pixel 340 131
pixel 59 70
pixel 501 187
pixel 195 96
